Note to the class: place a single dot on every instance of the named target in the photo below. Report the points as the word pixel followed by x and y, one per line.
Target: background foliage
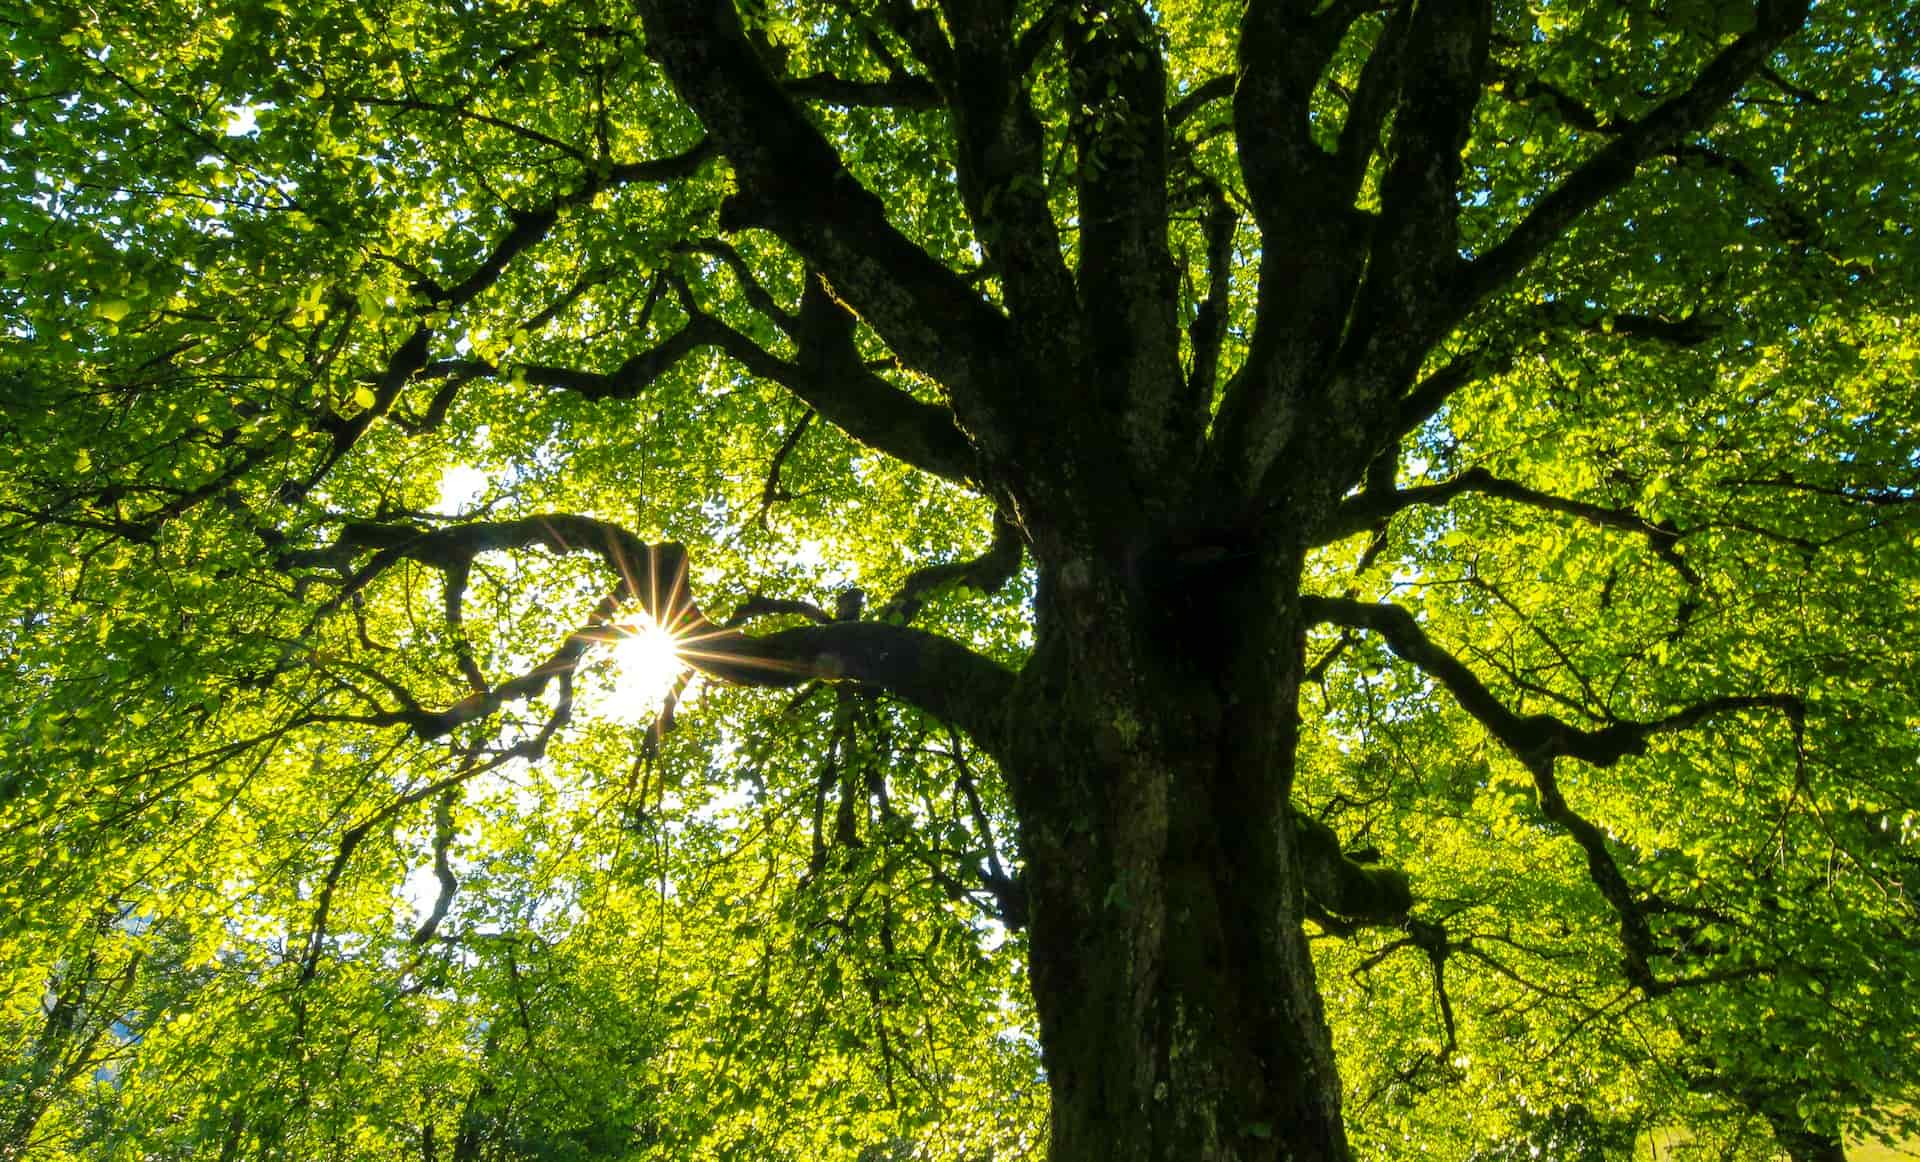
pixel 267 269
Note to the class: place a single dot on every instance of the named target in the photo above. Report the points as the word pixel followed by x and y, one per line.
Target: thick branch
pixel 1351 891
pixel 1001 171
pixel 792 182
pixel 1315 240
pixel 829 377
pixel 1415 249
pixel 938 675
pixel 986 573
pixel 1128 284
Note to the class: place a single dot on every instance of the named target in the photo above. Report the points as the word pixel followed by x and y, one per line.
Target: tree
pixel 1437 476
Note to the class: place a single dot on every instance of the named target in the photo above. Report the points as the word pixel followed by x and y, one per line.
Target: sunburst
pixel 645 663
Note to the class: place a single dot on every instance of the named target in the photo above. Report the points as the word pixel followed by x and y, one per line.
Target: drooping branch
pixel 464 111
pixel 1524 88
pixel 1539 740
pixel 1429 394
pixel 1008 889
pixel 773 490
pixel 443 836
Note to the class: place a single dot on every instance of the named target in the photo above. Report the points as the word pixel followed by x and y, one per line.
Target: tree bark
pixel 1179 1015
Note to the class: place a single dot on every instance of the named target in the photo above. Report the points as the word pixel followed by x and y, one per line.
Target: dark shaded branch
pixel 454 590
pixel 463 113
pixel 1364 511
pixel 828 376
pixel 898 92
pixel 1870 497
pixel 1215 89
pixel 1306 284
pixel 1008 890
pixel 773 491
pixel 756 295
pixel 1039 36
pixel 761 606
pixel 1687 331
pixel 792 182
pixel 986 573
pixel 1001 170
pixel 1796 224
pixel 1532 737
pixel 1352 892
pixel 1429 395
pixel 1208 331
pixel 1282 52
pixel 530 227
pixel 1669 125
pixel 1372 100
pixel 1527 89
pixel 1415 248
pixel 938 675
pixel 1538 740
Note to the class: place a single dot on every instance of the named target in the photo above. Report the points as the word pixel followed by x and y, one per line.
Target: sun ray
pixel 644 664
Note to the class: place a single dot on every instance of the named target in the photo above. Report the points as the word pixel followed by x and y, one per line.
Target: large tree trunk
pixel 1151 758
pixel 1805 1147
pixel 1802 1144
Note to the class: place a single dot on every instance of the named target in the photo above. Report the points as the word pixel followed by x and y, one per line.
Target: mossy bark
pixel 1151 756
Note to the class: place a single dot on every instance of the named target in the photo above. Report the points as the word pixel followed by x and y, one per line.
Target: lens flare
pixel 644 665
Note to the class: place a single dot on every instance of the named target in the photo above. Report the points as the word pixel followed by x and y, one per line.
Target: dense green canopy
pixel 371 370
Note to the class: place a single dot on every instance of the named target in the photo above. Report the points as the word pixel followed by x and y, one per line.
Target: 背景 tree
pixel 1434 476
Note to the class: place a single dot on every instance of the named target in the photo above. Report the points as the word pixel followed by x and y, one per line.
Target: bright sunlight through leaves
pixel 644 665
